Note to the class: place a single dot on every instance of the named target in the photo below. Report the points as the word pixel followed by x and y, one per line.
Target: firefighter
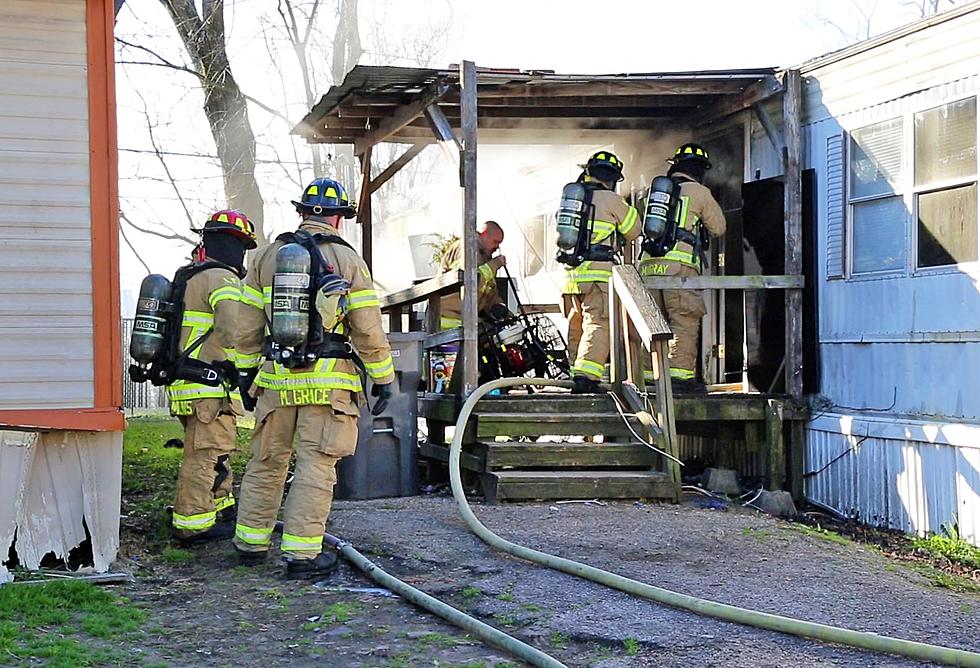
pixel 699 215
pixel 585 298
pixel 317 405
pixel 489 237
pixel 204 507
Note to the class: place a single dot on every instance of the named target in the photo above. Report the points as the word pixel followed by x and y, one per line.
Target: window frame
pixel 909 192
pixel 939 186
pixel 901 187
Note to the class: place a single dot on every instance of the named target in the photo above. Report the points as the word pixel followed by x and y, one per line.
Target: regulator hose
pixel 482 631
pixel 730 613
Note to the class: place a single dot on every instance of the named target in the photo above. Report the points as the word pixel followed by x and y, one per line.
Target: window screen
pixel 879 231
pixel 948 226
pixel 876 159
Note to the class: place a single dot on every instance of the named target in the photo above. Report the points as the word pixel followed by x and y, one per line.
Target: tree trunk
pixel 224 105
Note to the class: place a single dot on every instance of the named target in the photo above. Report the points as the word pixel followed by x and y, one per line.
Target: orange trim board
pixel 104 188
pixel 69 419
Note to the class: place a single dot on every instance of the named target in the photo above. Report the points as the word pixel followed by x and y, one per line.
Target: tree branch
pixel 163 61
pixel 122 233
pixel 173 236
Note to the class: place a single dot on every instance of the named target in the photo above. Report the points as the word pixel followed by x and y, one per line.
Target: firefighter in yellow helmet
pixel 204 507
pixel 585 297
pixel 698 217
pixel 310 397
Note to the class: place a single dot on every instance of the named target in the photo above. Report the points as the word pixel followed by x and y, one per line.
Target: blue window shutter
pixel 836 203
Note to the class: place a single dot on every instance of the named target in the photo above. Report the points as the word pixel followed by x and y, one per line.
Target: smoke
pixel 518 184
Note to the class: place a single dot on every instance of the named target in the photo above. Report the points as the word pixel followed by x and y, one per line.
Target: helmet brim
pixel 347 212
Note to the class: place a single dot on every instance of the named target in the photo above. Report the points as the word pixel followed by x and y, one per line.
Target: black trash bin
pixel 386 460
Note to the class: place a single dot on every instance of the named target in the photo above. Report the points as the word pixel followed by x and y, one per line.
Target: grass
pixel 65 623
pixel 506 619
pixel 948 545
pixel 149 472
pixel 632 646
pixel 822 534
pixel 470 593
pixel 559 640
pixel 440 640
pixel 340 612
pixel 173 555
pixel 507 597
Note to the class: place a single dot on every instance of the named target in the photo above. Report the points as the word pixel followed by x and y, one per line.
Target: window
pixel 878 215
pixel 946 184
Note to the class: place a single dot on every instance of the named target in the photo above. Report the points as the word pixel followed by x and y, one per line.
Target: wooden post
pixel 776 451
pixel 617 358
pixel 468 177
pixel 665 403
pixel 797 457
pixel 364 212
pixel 793 206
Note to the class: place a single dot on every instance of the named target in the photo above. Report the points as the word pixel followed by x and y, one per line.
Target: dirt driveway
pixel 205 611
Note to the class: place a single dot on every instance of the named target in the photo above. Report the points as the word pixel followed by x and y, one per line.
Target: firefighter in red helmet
pixel 204 507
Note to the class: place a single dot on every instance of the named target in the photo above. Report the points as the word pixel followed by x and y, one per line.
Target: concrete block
pixel 722 481
pixel 778 503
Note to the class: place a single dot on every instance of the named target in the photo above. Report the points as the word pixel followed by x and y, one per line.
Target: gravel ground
pixel 736 557
pixel 211 613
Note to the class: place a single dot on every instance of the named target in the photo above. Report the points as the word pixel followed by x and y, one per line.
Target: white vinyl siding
pixel 45 218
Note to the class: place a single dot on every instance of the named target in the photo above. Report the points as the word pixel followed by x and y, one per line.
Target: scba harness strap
pixel 320 343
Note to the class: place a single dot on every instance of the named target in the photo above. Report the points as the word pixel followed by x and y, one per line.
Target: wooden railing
pixel 638 328
pixel 792 364
pixel 398 305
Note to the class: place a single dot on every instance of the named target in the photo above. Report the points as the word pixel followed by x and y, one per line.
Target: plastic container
pixel 386 460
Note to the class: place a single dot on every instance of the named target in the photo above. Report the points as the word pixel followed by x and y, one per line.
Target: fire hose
pixel 730 613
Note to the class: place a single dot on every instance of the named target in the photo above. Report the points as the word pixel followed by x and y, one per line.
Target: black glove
pixel 245 379
pixel 383 394
pixel 499 312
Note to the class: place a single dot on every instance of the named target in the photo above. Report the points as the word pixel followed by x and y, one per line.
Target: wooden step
pixel 581 484
pixel 560 424
pixel 547 402
pixel 524 455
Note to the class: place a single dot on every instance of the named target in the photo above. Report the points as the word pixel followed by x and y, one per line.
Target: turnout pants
pixel 683 310
pixel 322 436
pixel 204 483
pixel 588 329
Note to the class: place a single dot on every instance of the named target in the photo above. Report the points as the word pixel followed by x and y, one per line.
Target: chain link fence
pixel 138 397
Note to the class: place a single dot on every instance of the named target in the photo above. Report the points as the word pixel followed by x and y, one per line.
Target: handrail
pixel 443 284
pixel 632 313
pixel 755 282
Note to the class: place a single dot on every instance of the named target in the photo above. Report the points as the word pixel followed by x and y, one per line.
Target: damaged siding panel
pixel 45 300
pixel 58 488
pixel 893 475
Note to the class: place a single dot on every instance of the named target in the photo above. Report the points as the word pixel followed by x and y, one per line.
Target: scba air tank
pixel 660 205
pixel 571 215
pixel 152 314
pixel 291 296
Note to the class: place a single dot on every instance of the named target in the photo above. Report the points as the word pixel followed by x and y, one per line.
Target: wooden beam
pixel 405 115
pixel 774 282
pixel 776 450
pixel 454 335
pixel 468 105
pixel 443 284
pixel 756 92
pixel 594 101
pixel 441 125
pixel 644 315
pixel 775 136
pixel 364 211
pixel 793 235
pixel 393 168
pixel 664 86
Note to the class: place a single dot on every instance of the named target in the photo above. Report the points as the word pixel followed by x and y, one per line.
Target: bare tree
pixel 225 106
pixel 926 8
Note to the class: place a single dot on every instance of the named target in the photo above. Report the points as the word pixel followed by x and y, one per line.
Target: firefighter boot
pixel 583 385
pixel 251 558
pixel 220 531
pixel 324 564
